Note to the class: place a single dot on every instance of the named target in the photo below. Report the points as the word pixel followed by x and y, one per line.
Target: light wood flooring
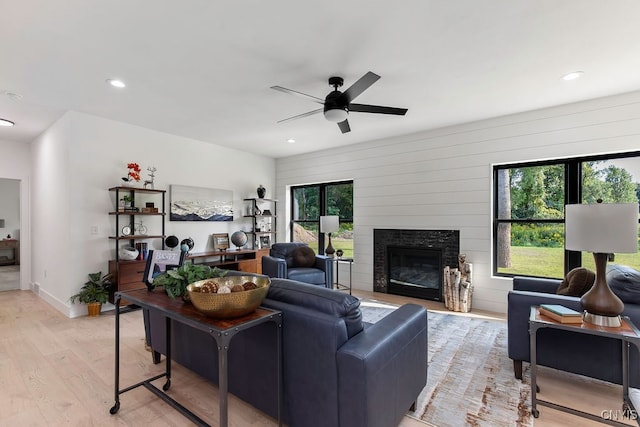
pixel 60 371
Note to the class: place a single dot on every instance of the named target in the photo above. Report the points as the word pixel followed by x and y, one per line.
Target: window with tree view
pixel 310 202
pixel 529 204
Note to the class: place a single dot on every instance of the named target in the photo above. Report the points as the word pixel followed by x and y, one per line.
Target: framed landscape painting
pixel 200 204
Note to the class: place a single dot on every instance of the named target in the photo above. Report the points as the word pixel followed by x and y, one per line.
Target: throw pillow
pixel 303 257
pixel 624 282
pixel 577 282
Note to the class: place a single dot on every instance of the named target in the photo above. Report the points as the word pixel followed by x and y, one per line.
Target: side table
pixel 221 331
pixel 628 335
pixel 337 285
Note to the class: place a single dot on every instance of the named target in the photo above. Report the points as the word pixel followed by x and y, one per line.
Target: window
pixel 528 223
pixel 310 202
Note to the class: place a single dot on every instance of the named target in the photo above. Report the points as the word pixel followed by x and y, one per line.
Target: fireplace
pixel 411 262
pixel 415 272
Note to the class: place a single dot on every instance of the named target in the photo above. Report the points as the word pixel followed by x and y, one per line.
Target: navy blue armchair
pixel 281 264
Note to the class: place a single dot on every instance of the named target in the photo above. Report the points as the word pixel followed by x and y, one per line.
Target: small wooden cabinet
pixel 11 244
pixel 128 274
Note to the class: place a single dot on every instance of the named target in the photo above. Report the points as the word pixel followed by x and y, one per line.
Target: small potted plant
pixel 94 293
pixel 175 281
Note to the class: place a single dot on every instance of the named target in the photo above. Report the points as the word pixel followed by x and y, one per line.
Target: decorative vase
pixel 261 192
pixel 93 308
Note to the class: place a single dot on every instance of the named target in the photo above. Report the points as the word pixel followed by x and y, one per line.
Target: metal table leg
pixel 116 406
pixel 534 368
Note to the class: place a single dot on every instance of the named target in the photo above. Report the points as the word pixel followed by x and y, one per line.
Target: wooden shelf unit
pixel 258 205
pixel 128 274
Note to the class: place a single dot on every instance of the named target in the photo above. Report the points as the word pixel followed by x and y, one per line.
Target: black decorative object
pixel 261 192
pixel 171 241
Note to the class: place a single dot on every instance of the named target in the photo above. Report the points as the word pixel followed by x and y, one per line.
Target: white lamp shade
pixel 329 224
pixel 602 228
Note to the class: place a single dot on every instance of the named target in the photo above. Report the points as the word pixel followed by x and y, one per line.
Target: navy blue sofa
pixel 592 356
pixel 338 370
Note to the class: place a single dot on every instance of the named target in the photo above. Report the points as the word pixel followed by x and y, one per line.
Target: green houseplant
pixel 94 292
pixel 175 281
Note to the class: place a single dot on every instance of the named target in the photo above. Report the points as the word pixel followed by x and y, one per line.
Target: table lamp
pixel 602 229
pixel 329 224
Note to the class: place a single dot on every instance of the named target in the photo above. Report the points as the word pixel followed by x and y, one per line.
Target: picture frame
pixel 200 204
pixel 159 261
pixel 264 242
pixel 220 241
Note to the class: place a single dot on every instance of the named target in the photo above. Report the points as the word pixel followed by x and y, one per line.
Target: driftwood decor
pixel 458 288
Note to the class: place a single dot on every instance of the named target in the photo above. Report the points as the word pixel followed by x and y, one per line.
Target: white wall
pixel 15 163
pixel 441 179
pixel 81 156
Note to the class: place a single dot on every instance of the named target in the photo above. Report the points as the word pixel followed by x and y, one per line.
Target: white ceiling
pixel 203 68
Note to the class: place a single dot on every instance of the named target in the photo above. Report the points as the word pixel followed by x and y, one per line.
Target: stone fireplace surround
pixel 446 240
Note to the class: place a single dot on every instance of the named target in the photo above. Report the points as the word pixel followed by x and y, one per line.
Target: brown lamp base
pixel 600 320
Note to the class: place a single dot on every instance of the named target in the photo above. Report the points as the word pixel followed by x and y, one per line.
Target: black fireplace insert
pixel 415 272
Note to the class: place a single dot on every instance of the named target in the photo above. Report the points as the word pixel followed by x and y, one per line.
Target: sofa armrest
pixel 389 358
pixel 518 311
pixel 274 267
pixel 536 284
pixel 325 264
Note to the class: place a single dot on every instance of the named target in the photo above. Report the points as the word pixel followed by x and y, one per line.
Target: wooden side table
pixel 628 335
pixel 14 245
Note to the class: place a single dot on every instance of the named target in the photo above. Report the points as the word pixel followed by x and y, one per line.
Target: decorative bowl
pixel 234 304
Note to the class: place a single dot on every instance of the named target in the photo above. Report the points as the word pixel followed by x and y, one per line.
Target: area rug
pixel 470 379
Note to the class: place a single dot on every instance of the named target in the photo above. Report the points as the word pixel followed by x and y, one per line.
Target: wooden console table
pixel 247 260
pixel 15 246
pixel 222 331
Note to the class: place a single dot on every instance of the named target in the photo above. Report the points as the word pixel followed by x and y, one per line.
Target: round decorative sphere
pixel 184 248
pixel 171 241
pixel 239 238
pixel 189 242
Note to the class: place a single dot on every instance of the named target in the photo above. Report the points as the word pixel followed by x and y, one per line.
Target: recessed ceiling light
pixel 291 141
pixel 5 122
pixel 12 96
pixel 573 75
pixel 116 83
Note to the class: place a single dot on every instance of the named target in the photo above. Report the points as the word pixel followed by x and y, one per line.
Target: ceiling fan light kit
pixel 337 105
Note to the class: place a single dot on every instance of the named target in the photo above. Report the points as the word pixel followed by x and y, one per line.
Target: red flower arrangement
pixel 134 172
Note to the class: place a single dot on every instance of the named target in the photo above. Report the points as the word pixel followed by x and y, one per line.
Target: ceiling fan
pixel 337 105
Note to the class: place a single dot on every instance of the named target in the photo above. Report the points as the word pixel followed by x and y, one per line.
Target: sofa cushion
pixel 320 299
pixel 303 256
pixel 624 282
pixel 577 282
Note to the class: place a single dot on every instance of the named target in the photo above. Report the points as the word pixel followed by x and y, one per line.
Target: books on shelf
pixel 560 313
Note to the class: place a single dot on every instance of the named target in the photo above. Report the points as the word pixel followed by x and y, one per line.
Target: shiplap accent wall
pixel 441 179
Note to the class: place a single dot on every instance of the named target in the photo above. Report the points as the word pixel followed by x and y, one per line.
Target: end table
pixel 337 285
pixel 628 335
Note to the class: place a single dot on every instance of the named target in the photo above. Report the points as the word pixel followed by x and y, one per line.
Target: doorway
pixel 9 234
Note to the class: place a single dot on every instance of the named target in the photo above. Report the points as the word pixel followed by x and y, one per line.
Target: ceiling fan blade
pixel 364 108
pixel 360 86
pixel 295 92
pixel 299 116
pixel 344 126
